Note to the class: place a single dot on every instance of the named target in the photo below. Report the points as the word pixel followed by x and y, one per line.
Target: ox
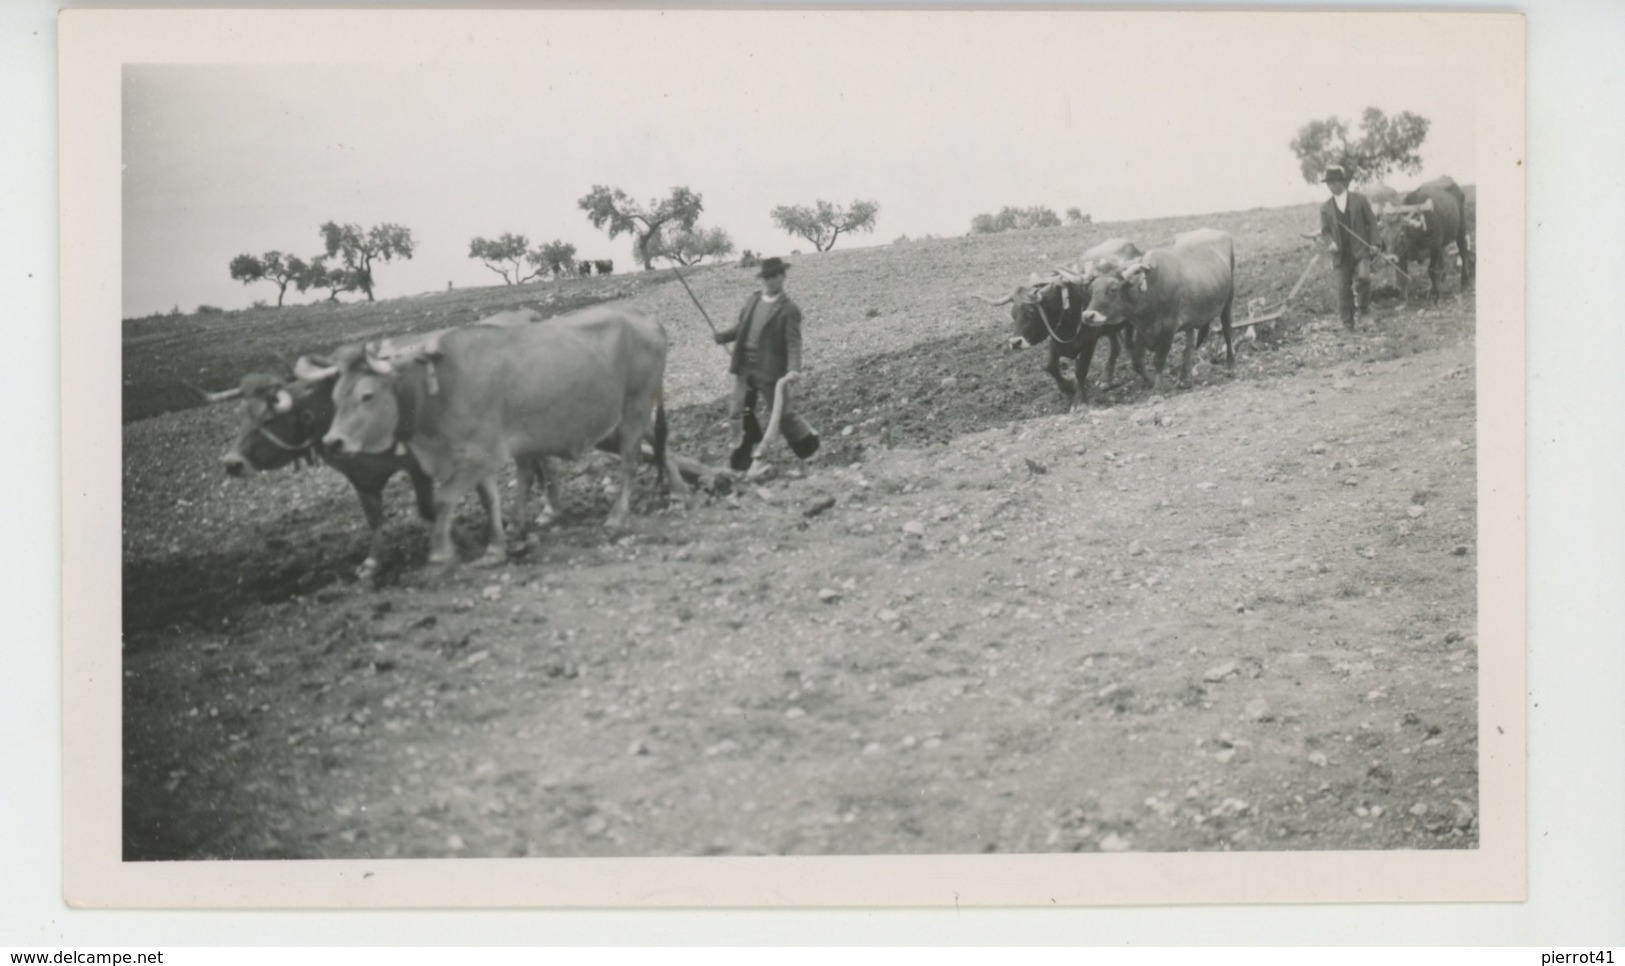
pixel 1050 308
pixel 282 422
pixel 1180 288
pixel 1432 218
pixel 471 399
pixel 604 266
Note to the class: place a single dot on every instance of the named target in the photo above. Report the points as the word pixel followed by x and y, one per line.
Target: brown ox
pixel 1180 288
pixel 1049 308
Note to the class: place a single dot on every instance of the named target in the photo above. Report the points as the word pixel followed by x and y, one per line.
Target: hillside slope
pixel 1238 617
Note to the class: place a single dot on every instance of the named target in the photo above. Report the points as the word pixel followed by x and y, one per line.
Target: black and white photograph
pixel 1044 455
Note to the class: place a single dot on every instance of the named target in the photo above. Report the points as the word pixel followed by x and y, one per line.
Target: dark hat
pixel 1335 172
pixel 772 266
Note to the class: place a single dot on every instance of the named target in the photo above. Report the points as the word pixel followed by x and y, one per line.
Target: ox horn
pixel 308 370
pixel 377 363
pixel 983 298
pixel 225 395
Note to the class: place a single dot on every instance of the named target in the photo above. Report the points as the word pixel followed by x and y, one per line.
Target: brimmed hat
pixel 772 266
pixel 1335 172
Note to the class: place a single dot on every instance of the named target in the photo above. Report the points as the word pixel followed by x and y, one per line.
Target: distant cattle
pixel 604 266
pixel 466 402
pixel 1049 308
pixel 749 259
pixel 1180 288
pixel 1431 218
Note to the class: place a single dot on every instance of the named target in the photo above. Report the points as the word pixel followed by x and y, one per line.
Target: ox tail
pixel 661 430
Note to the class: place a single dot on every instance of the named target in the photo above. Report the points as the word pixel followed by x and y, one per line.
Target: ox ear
pixel 1426 205
pixel 1138 273
pixel 282 402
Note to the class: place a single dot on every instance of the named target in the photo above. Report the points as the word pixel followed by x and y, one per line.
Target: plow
pixel 1259 311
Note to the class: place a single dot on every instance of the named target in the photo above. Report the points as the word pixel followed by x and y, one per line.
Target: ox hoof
pixel 492 557
pixel 546 518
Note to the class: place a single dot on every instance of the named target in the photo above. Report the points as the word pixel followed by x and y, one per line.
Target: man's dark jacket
pixel 779 349
pixel 1359 219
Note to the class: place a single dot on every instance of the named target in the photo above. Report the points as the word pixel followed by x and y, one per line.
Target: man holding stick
pixel 767 351
pixel 1347 220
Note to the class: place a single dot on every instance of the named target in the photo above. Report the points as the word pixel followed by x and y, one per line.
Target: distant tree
pixel 318 276
pixel 274 267
pixel 688 246
pixel 1014 219
pixel 824 222
pixel 504 255
pixel 1385 145
pixel 612 208
pixel 1075 216
pixel 554 258
pixel 358 249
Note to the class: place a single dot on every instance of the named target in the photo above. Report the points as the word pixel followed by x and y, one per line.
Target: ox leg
pixel 1226 321
pixel 1137 357
pixel 1053 367
pixel 1165 345
pixel 1435 275
pixel 496 547
pixel 634 422
pixel 442 552
pixel 1189 356
pixel 1086 355
pixel 372 504
pixel 423 489
pixel 665 457
pixel 530 470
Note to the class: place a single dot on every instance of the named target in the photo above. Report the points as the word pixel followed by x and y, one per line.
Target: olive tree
pixel 274 267
pixel 822 223
pixel 1384 145
pixel 614 210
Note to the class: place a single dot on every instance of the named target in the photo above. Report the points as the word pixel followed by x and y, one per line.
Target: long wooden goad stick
pixel 696 299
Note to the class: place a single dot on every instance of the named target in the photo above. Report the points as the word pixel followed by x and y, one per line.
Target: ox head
pixel 281 421
pixel 367 412
pixel 1042 305
pixel 1115 291
pixel 1402 229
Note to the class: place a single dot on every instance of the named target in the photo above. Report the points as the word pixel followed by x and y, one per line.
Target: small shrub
pixel 210 310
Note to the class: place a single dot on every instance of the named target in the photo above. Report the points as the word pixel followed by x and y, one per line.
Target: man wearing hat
pixel 1347 219
pixel 767 349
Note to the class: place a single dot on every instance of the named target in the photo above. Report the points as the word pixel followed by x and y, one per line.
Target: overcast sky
pixel 937 116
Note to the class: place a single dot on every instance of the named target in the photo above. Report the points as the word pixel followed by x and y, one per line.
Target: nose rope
pixel 1045 316
pixel 284 445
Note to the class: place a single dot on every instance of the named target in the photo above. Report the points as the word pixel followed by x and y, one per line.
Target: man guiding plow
pixel 766 358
